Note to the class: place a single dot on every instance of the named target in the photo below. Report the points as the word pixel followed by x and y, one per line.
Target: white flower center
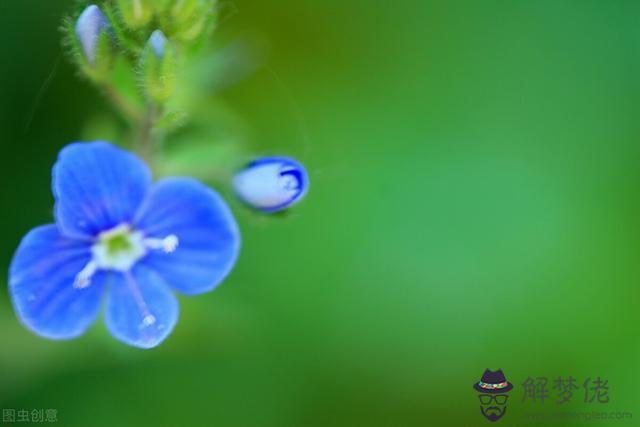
pixel 119 249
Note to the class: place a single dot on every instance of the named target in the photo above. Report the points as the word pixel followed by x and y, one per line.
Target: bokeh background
pixel 475 204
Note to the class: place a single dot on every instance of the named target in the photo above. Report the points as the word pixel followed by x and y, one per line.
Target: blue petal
pixel 141 309
pixel 271 184
pixel 41 281
pixel 88 27
pixel 97 187
pixel 208 236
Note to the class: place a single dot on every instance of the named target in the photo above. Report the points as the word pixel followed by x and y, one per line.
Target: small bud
pixel 271 184
pixel 136 13
pixel 158 42
pixel 89 27
pixel 191 18
pixel 159 68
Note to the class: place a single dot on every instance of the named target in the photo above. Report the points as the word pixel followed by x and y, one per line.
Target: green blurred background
pixel 475 204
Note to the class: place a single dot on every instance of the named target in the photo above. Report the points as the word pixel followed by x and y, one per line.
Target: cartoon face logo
pixel 492 389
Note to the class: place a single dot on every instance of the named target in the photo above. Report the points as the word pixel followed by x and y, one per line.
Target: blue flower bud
pixel 159 68
pixel 271 184
pixel 88 28
pixel 158 42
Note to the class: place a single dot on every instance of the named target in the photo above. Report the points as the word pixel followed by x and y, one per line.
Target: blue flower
pixel 158 41
pixel 119 234
pixel 89 26
pixel 271 184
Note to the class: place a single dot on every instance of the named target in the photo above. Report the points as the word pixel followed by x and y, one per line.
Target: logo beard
pixel 493 413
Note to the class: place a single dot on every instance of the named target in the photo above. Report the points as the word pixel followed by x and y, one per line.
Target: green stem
pixel 143 123
pixel 147 138
pixel 128 111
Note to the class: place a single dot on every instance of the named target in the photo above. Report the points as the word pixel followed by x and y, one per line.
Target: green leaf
pixel 172 121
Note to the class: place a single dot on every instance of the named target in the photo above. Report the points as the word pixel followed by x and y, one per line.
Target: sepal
pixel 90 42
pixel 159 66
pixel 136 13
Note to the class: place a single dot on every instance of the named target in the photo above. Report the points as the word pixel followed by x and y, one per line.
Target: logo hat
pixel 493 383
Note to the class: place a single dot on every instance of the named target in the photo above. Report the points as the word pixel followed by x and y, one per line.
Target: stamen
pixel 119 249
pixel 148 319
pixel 83 279
pixel 169 244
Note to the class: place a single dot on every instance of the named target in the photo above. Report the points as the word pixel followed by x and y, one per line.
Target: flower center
pixel 119 249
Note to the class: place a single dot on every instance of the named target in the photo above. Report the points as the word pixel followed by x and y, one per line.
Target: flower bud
pixel 159 68
pixel 158 41
pixel 136 13
pixel 191 18
pixel 271 184
pixel 89 28
pixel 161 6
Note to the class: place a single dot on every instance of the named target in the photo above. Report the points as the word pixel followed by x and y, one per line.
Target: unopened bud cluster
pixel 150 39
pixel 149 33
